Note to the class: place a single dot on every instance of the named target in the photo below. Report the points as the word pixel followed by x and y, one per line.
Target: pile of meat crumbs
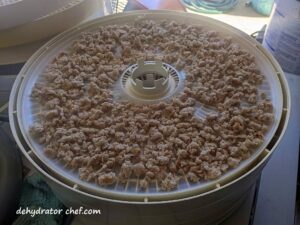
pixel 108 141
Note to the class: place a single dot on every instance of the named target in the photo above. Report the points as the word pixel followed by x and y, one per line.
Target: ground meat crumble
pixel 109 141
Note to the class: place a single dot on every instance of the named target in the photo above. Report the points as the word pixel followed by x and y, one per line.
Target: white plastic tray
pixel 26 109
pixel 49 24
pixel 17 12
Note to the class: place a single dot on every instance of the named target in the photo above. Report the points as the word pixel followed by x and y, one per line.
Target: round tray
pixel 49 24
pixel 17 12
pixel 26 109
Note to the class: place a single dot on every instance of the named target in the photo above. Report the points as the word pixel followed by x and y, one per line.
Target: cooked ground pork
pixel 83 126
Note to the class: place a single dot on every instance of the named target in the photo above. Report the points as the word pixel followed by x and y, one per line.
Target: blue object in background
pixel 263 7
pixel 210 6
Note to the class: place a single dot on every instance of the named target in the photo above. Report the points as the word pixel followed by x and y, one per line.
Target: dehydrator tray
pixel 26 109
